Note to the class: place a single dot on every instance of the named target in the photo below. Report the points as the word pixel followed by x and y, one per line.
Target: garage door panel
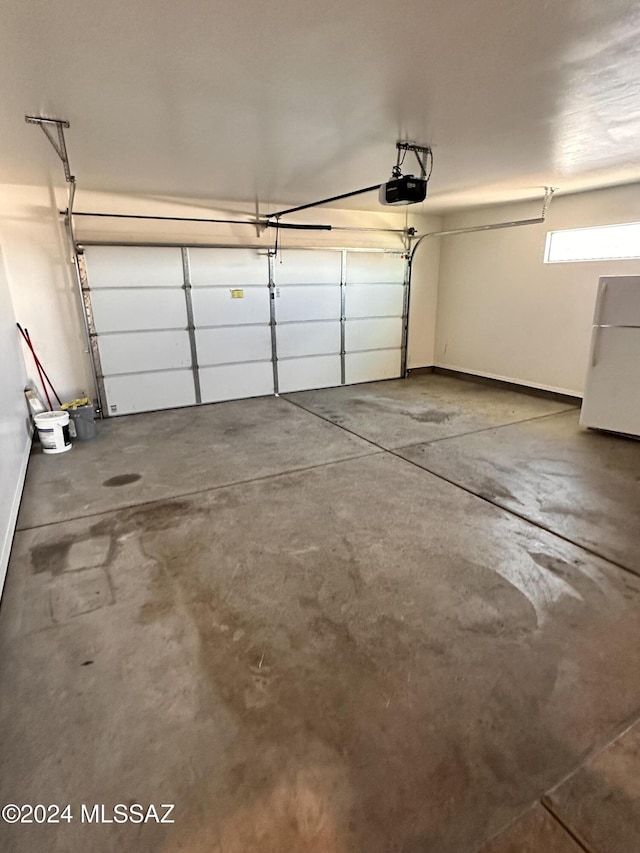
pixel 217 306
pixel 374 300
pixel 300 339
pixel 233 344
pixel 146 392
pixel 136 310
pixel 374 267
pixel 236 381
pixel 373 334
pixel 308 302
pixel 228 267
pixel 307 267
pixel 301 374
pixel 133 352
pixel 133 266
pixel 370 366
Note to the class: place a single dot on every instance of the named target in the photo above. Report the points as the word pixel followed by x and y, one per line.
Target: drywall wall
pixel 504 313
pixel 15 437
pixel 45 295
pixel 40 278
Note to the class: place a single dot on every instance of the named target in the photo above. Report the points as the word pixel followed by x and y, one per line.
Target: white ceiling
pixel 294 101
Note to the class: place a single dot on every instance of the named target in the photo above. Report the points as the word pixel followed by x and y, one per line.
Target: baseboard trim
pixel 420 371
pixel 558 395
pixel 13 515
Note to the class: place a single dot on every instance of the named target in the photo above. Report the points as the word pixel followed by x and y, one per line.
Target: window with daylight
pixel 607 242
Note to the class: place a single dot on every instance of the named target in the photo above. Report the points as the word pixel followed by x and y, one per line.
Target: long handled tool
pixel 44 372
pixel 41 371
pixel 42 382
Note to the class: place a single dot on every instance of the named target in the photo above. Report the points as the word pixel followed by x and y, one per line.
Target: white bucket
pixel 53 431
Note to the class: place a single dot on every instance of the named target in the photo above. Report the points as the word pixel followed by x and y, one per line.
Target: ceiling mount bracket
pixel 59 146
pixel 418 150
pixel 548 196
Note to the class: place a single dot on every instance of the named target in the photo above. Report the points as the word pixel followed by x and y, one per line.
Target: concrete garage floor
pixel 394 618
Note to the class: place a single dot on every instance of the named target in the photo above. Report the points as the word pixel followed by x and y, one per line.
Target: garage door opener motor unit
pixel 407 189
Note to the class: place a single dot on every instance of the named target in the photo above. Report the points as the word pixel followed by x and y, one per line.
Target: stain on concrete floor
pixel 422 408
pixel 581 485
pixel 122 480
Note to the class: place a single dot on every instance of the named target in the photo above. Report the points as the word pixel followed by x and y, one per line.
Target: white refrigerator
pixel 612 392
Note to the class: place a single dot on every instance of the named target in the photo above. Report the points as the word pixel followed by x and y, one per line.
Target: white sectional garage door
pixel 176 327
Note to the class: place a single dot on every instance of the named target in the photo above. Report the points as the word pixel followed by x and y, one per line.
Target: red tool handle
pixel 46 376
pixel 41 371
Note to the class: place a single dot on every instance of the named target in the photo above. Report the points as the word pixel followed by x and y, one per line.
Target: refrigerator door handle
pixel 594 345
pixel 602 289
